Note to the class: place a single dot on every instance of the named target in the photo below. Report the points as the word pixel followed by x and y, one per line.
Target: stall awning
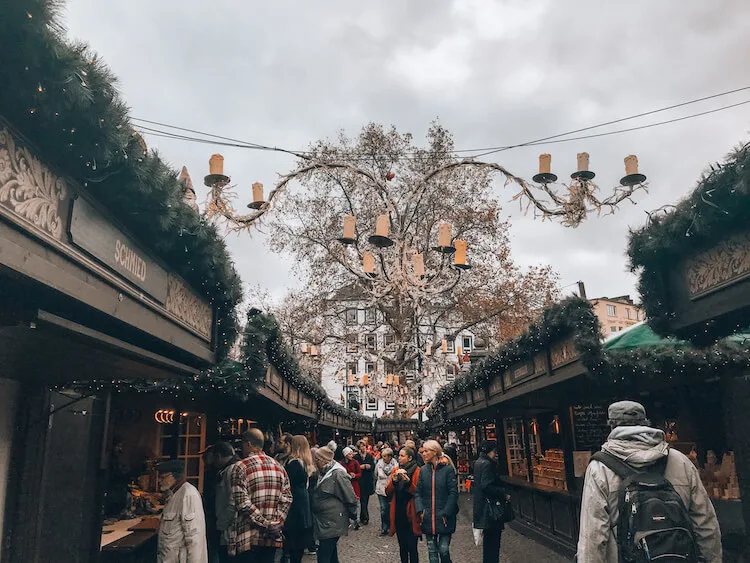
pixel 641 336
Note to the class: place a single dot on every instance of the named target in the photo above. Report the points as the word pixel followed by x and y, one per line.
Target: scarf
pixel 637 445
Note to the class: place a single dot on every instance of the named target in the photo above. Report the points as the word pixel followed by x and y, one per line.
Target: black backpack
pixel 654 524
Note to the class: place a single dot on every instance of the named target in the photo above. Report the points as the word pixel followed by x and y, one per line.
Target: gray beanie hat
pixel 627 413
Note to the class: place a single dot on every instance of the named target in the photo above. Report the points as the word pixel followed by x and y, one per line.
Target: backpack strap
pixel 622 469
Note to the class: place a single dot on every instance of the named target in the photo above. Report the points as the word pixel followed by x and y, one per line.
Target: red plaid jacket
pixel 261 496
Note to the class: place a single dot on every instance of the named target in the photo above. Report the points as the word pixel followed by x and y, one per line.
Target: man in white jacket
pixel 633 441
pixel 182 530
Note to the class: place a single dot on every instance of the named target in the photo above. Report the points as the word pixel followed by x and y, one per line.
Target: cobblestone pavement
pixel 366 546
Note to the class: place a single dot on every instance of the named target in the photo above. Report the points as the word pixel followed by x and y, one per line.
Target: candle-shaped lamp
pixel 396 380
pixel 445 346
pixel 305 348
pixel 365 380
pixel 368 263
pixel 418 263
pixel 545 163
pixel 459 258
pixel 381 226
pixel 258 193
pixel 631 165
pixel 350 222
pixel 445 230
pixel 428 350
pixel 459 353
pixel 583 161
pixel 216 164
pixel 313 351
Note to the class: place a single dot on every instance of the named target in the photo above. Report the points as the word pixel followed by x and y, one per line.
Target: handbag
pixel 501 510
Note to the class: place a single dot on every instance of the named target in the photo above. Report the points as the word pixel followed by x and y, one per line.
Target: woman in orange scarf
pixel 404 520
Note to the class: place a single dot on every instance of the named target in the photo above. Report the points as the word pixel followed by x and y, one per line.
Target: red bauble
pixel 390 176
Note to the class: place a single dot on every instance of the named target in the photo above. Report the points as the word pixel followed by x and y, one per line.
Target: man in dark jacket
pixel 366 482
pixel 488 489
pixel 436 501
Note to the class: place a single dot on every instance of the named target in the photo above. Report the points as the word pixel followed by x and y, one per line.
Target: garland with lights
pixel 611 371
pixel 717 209
pixel 571 317
pixel 64 100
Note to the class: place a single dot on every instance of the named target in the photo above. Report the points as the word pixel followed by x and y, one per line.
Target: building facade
pixel 617 313
pixel 360 369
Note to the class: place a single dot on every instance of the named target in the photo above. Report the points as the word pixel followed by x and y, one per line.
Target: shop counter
pixel 121 543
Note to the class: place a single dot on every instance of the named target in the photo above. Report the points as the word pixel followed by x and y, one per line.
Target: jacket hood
pixel 637 445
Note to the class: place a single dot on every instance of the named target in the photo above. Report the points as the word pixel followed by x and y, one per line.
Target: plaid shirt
pixel 261 496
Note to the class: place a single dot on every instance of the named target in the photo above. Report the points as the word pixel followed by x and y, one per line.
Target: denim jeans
pixel 438 548
pixel 385 514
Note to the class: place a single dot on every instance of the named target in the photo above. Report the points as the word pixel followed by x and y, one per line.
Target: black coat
pixel 300 515
pixel 367 481
pixel 437 497
pixel 487 485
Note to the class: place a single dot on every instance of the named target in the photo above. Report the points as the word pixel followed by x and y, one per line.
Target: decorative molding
pixel 29 189
pixel 718 267
pixel 183 303
pixel 563 353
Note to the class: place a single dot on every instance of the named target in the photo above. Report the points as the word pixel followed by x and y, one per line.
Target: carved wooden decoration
pixel 188 307
pixel 563 353
pixel 718 267
pixel 29 189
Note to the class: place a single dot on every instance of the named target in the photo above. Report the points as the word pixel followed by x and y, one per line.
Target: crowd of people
pixel 307 498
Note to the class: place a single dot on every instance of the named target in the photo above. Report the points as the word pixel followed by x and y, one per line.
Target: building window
pixel 389 341
pixel 371 342
pixel 369 367
pixel 627 313
pixel 637 315
pixel 372 404
pixel 351 317
pixel 351 343
pixel 389 367
pixel 613 329
pixel 611 311
pixel 451 346
pixel 467 343
pixel 351 368
pixel 371 315
pixel 353 398
pixel 390 406
pixel 450 374
pixel 410 376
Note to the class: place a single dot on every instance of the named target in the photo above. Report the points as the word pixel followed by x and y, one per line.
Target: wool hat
pixel 347 451
pixel 332 445
pixel 174 466
pixel 486 446
pixel 627 413
pixel 323 455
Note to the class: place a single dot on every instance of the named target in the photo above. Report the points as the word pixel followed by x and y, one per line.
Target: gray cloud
pixel 287 73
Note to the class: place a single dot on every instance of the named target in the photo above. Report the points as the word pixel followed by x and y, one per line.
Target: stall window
pixel 191 442
pixel 515 447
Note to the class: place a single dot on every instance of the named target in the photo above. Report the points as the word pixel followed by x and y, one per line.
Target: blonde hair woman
pixel 436 501
pixel 298 525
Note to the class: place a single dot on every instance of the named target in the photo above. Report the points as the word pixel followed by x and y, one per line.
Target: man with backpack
pixel 643 501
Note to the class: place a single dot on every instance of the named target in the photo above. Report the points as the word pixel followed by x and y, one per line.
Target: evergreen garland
pixel 572 317
pixel 718 208
pixel 65 101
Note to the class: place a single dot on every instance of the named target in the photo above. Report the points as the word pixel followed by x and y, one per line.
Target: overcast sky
pixel 287 73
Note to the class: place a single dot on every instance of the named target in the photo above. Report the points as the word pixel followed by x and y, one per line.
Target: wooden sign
pixel 718 267
pixel 92 232
pixel 590 428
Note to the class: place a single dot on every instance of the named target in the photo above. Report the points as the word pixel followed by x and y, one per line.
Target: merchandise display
pixel 549 469
pixel 720 479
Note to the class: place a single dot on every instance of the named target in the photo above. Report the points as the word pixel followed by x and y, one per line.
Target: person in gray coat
pixel 333 504
pixel 633 441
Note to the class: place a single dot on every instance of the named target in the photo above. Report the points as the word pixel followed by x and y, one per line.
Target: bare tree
pixel 382 173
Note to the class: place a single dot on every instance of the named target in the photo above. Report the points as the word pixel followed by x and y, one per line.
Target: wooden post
pixel 526 436
pixel 568 443
pixel 737 419
pixel 502 459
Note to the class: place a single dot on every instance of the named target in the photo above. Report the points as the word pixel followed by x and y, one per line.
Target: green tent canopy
pixel 641 336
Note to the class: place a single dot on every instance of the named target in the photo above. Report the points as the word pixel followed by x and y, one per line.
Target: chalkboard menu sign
pixel 590 426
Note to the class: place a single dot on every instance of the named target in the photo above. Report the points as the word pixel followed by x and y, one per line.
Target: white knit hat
pixel 348 451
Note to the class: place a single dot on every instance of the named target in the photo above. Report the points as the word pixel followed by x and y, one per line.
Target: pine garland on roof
pixel 64 100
